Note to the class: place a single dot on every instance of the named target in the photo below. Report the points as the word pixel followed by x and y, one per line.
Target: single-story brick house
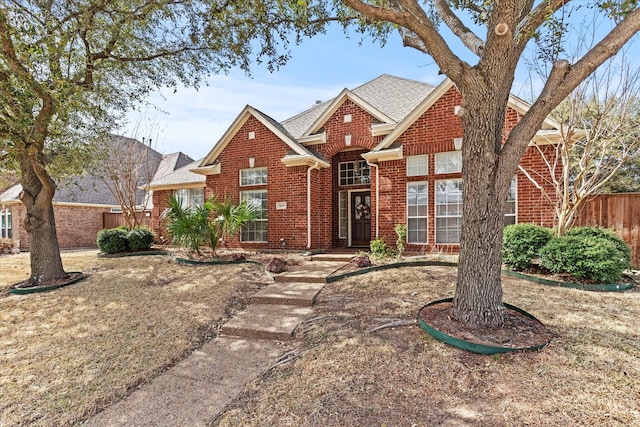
pixel 347 170
pixel 80 203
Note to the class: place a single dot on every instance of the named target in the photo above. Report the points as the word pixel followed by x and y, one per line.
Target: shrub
pixel 112 240
pixel 140 239
pixel 584 257
pixel 603 233
pixel 521 243
pixel 380 249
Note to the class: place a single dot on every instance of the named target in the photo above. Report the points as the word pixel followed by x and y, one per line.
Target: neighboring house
pixel 80 203
pixel 348 170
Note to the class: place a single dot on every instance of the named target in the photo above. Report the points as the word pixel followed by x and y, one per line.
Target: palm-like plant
pixel 195 226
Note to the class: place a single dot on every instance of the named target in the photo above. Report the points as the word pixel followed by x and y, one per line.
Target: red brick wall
pixel 76 226
pixel 285 184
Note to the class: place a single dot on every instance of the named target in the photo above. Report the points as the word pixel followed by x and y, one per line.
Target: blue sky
pixel 192 121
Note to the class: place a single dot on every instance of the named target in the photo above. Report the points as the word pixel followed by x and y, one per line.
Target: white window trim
pixel 426 216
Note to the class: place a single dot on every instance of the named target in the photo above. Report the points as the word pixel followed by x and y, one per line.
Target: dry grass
pixel 67 354
pixel 588 375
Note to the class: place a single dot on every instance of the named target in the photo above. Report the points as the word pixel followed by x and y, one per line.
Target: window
pixel 353 173
pixel 190 196
pixel 255 176
pixel 417 212
pixel 256 230
pixel 342 214
pixel 5 223
pixel 417 165
pixel 448 210
pixel 512 197
pixel 450 162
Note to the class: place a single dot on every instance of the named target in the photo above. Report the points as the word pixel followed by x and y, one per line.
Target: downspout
pixel 315 166
pixel 373 165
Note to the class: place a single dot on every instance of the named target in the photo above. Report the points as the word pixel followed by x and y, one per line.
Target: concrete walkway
pixel 198 388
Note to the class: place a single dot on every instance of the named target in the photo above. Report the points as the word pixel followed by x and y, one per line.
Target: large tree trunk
pixel 478 296
pixel 44 251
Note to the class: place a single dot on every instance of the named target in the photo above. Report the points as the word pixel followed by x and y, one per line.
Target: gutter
pixel 315 166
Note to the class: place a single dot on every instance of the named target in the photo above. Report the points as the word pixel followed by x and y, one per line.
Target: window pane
pixel 417 165
pixel 448 210
pixel 255 176
pixel 450 162
pixel 342 215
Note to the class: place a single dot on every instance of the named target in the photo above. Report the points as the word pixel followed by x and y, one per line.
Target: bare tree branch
pixel 474 43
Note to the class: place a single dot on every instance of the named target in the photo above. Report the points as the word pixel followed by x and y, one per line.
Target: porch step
pixel 288 293
pixel 267 321
pixel 344 258
pixel 309 272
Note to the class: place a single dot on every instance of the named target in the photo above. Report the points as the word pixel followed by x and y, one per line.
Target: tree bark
pixel 44 251
pixel 478 296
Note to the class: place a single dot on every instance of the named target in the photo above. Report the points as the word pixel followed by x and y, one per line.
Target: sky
pixel 192 121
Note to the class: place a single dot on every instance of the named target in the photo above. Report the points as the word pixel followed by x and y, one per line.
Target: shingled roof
pixel 394 96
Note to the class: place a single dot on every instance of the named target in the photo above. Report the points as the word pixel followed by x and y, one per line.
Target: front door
pixel 360 218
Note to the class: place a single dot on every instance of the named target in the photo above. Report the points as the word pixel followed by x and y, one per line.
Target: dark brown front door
pixel 360 218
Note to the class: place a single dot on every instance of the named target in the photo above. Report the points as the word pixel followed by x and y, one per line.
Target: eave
pixel 384 155
pixel 303 160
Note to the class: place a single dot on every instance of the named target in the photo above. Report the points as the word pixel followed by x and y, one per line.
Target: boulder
pixel 362 261
pixel 276 265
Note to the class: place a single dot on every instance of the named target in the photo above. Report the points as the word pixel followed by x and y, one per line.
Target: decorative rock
pixel 362 261
pixel 238 257
pixel 276 265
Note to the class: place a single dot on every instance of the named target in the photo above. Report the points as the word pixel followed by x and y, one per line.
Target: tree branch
pixel 527 27
pixel 474 43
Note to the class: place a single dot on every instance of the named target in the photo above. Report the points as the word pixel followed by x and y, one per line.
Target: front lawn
pixel 345 375
pixel 68 353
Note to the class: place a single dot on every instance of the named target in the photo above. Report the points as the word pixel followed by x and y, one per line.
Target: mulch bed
pixel 517 332
pixel 68 279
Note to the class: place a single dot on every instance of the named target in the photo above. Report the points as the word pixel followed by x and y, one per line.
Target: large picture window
pixel 448 211
pixel 417 165
pixel 417 209
pixel 449 162
pixel 254 176
pixel 256 230
pixel 190 197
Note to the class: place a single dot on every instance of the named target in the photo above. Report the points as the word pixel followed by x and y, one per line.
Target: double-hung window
pixel 417 208
pixel 512 198
pixel 417 165
pixel 448 211
pixel 256 230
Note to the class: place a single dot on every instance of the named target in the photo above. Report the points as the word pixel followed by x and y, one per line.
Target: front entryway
pixel 360 218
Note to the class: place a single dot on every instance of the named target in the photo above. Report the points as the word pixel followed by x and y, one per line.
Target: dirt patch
pixel 517 332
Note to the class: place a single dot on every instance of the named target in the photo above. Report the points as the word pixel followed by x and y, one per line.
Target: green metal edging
pixel 595 287
pixel 365 270
pixel 471 346
pixel 37 289
pixel 127 254
pixel 216 262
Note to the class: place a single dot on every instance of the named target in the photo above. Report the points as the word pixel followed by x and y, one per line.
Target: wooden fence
pixel 620 212
pixel 113 220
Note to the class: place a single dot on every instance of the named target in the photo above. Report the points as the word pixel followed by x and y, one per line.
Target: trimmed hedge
pixel 603 233
pixel 112 240
pixel 521 243
pixel 584 257
pixel 140 239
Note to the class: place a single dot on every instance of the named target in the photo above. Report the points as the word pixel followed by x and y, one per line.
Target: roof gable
pixel 273 126
pixel 333 106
